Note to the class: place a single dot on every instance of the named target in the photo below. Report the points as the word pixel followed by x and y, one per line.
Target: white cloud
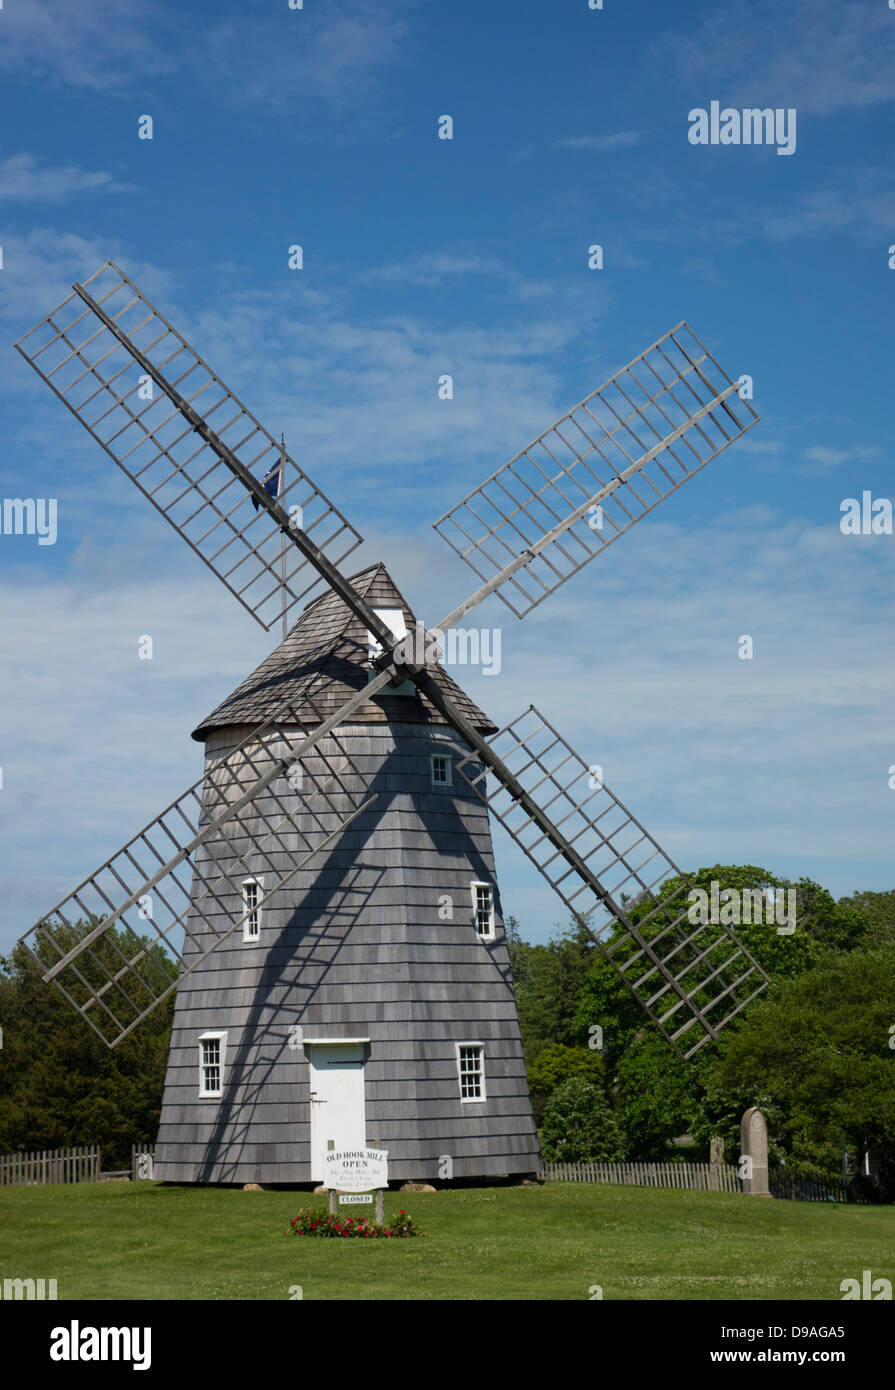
pixel 615 140
pixel 820 56
pixel 101 46
pixel 272 57
pixel 443 269
pixel 620 139
pixel 762 446
pixel 781 761
pixel 430 269
pixel 336 56
pixel 857 199
pixel 635 661
pixel 356 397
pixel 40 267
pixel 23 179
pixel 822 458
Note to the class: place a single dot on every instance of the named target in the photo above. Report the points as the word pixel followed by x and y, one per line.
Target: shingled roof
pixel 324 658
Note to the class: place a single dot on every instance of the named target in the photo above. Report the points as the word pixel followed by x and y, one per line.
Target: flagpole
pixel 282 535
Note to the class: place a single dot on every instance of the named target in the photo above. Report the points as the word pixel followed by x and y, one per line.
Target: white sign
pixel 356 1170
pixel 353 1198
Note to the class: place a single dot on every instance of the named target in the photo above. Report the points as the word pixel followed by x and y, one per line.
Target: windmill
pixel 342 974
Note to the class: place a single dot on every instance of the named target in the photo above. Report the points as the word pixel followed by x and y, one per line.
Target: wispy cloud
pixel 23 179
pixel 337 56
pixel 855 199
pixel 101 46
pixel 820 56
pixel 41 266
pixel 614 140
pixel 820 459
pixel 782 729
pixel 703 269
pixel 440 269
pixel 762 446
pixel 621 139
pixel 435 268
pixel 326 52
pixel 356 393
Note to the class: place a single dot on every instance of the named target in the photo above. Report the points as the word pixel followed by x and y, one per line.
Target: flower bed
pixel 311 1221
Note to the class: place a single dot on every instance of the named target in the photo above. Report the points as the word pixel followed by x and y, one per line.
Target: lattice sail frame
pixel 598 470
pixel 535 523
pixel 261 810
pixel 684 975
pixel 100 379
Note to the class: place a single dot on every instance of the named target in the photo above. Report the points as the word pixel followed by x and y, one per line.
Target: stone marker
pixel 716 1160
pixel 754 1146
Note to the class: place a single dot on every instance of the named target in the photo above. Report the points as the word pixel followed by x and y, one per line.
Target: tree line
pixel 816 1050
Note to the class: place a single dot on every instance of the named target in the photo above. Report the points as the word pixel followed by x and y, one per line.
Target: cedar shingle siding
pixel 324 658
pixel 354 947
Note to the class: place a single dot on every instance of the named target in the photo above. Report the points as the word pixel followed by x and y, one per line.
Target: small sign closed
pixel 356 1170
pixel 350 1199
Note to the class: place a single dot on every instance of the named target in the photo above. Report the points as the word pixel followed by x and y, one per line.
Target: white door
pixel 337 1100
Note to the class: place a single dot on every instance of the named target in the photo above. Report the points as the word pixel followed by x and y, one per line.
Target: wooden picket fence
pixel 142 1159
pixel 693 1177
pixel 80 1164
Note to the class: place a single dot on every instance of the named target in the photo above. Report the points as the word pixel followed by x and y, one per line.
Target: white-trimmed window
pixel 251 909
pixel 212 1058
pixel 483 909
pixel 442 770
pixel 471 1071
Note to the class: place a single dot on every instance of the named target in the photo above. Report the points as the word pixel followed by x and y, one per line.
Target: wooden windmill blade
pixel 249 815
pixel 597 471
pixel 691 979
pixel 656 423
pixel 185 440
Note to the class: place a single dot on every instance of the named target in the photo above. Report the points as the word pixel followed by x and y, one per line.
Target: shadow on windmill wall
pixel 309 944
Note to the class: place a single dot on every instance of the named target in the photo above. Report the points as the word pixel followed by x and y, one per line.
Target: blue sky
pixel 469 257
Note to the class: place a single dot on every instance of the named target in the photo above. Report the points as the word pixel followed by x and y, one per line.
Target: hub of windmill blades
pixel 204 461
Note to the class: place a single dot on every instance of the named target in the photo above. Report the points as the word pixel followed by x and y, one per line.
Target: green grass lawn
pixel 146 1241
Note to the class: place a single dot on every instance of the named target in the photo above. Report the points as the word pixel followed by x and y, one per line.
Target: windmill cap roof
pixel 324 660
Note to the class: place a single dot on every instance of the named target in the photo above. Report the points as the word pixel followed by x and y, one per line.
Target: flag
pixel 272 483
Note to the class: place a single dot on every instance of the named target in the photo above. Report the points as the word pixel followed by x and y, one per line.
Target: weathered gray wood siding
pixel 355 947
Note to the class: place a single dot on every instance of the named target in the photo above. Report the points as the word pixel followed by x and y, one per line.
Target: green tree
pixel 556 1064
pixel 878 910
pixel 781 954
pixel 60 1084
pixel 817 1051
pixel 546 983
pixel 841 926
pixel 655 1097
pixel 603 999
pixel 579 1126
